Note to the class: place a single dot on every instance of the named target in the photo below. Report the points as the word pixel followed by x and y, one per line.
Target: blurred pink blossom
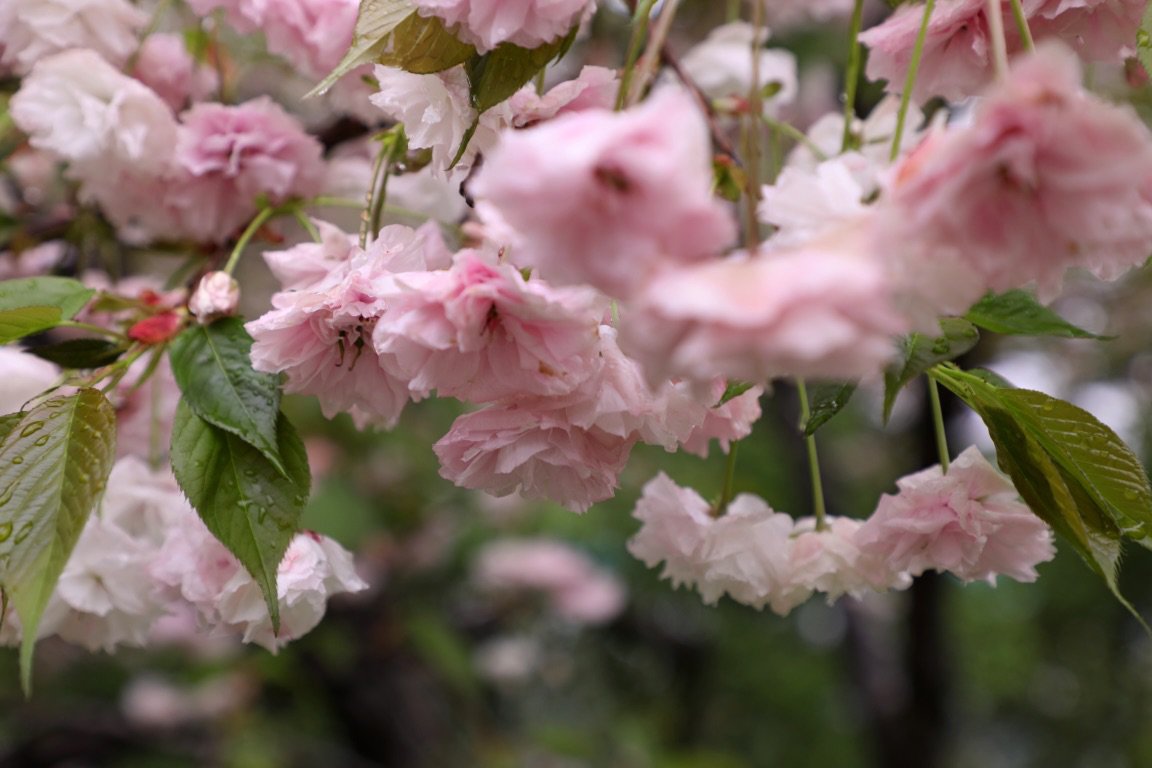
pixel 488 23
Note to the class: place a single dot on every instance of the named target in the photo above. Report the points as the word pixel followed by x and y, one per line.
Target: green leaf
pixel 8 422
pixel 1144 41
pixel 826 399
pixel 920 352
pixel 81 353
pixel 1018 313
pixel 423 46
pixel 496 75
pixel 54 463
pixel 25 321
pixel 245 500
pixel 1074 472
pixel 733 391
pixel 1090 454
pixel 67 294
pixel 376 20
pixel 213 369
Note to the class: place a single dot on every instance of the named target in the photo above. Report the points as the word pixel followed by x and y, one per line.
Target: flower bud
pixel 216 296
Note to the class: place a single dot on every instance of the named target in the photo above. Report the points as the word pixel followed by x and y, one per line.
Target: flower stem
pixel 852 76
pixel 995 13
pixel 813 459
pixel 307 224
pixel 635 44
pixel 249 232
pixel 1022 25
pixel 938 423
pixel 729 490
pixel 910 80
pixel 382 158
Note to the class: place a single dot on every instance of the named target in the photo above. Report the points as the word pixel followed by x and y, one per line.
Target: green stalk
pixel 813 460
pixel 852 82
pixel 938 423
pixel 635 45
pixel 910 80
pixel 1022 26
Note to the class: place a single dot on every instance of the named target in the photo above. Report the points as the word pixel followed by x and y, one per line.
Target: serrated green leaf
pixel 81 353
pixel 496 75
pixel 246 502
pixel 213 369
pixel 423 46
pixel 25 321
pixel 54 463
pixel 826 399
pixel 920 352
pixel 1049 495
pixel 375 21
pixel 1018 313
pixel 1089 453
pixel 67 294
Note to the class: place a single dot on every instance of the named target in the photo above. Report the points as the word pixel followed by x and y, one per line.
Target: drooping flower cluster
pixel 968 522
pixel 144 554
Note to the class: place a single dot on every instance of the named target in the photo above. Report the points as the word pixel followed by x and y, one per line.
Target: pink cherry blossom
pixel 722 66
pixel 31 30
pixel 488 23
pixel 215 296
pixel 609 199
pixel 164 65
pixel 505 448
pixel 957 55
pixel 593 88
pixel 968 521
pixel 320 335
pixel 675 523
pixel 82 109
pixel 437 113
pixel 312 35
pixel 229 156
pixel 830 561
pixel 576 588
pixel 307 264
pixel 813 312
pixel 1045 177
pixel 480 332
pixel 956 61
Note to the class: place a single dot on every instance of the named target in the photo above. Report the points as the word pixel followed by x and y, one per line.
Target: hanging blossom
pixel 164 64
pixel 480 332
pixel 144 555
pixel 608 199
pixel 957 57
pixel 83 110
pixel 571 449
pixel 822 311
pixel 968 522
pixel 1046 177
pixel 31 30
pixel 319 331
pixel 526 23
pixel 751 553
pixel 436 112
pixel 576 589
pixel 723 67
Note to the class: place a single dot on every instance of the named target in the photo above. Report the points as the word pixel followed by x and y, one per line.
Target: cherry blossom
pixel 968 522
pixel 608 199
pixel 488 23
pixel 31 30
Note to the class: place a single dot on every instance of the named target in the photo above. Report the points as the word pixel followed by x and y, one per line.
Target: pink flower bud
pixel 216 296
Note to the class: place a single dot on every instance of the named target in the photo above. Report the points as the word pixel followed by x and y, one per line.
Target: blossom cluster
pixel 579 284
pixel 967 522
pixel 144 556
